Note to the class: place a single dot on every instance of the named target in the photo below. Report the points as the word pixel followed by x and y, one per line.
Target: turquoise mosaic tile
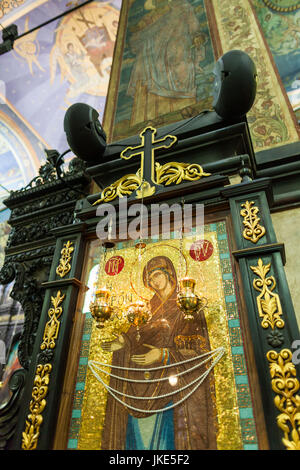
pixel 222 236
pixel 80 385
pixel 251 447
pixel 72 444
pixel 76 413
pixel 230 298
pixel 246 413
pixel 241 379
pixel 227 276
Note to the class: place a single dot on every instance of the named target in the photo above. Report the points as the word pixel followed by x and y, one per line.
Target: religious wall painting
pixel 10 6
pixel 206 406
pixel 28 48
pixel 83 50
pixel 280 24
pixel 61 63
pixel 166 65
pixel 271 119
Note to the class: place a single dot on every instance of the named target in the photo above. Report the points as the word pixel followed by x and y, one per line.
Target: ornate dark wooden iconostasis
pixel 215 165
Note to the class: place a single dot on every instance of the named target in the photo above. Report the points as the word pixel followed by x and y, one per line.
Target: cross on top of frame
pixel 151 176
pixel 146 151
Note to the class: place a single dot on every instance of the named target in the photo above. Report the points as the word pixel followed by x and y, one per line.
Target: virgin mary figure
pixel 168 46
pixel 151 413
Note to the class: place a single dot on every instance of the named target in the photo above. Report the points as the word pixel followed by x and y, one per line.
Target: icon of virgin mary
pixel 151 414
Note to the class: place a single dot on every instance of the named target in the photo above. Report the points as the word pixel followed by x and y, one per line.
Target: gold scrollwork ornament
pixel 268 302
pixel 52 326
pixel 64 263
pixel 170 173
pixel 120 188
pixel 253 230
pixel 286 385
pixel 36 407
pixel 176 172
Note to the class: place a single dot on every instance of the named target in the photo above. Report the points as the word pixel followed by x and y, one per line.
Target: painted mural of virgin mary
pixel 167 339
pixel 168 46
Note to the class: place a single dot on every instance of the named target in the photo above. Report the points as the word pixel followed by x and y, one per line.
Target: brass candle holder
pixel 101 309
pixel 189 302
pixel 138 314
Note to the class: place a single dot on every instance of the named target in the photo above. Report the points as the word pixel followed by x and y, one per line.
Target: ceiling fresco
pixel 63 62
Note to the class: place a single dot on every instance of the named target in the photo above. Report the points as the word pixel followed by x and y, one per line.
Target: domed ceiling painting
pixel 65 61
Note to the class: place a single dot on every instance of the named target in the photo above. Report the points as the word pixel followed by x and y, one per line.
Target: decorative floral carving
pixel 175 173
pixel 64 263
pixel 45 356
pixel 253 230
pixel 39 229
pixel 287 401
pixel 268 302
pixel 36 407
pixel 52 326
pixel 170 173
pixel 42 376
pixel 122 187
pixel 275 338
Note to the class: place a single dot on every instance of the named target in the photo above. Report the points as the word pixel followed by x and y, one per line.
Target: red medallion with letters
pixel 114 265
pixel 201 250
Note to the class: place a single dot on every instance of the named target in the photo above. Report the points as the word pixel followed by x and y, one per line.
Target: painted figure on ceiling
pixel 28 48
pixel 168 45
pixel 166 339
pixel 76 63
pixel 83 50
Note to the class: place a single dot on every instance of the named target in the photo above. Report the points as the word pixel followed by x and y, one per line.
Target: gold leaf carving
pixel 145 190
pixel 36 407
pixel 253 230
pixel 64 263
pixel 52 326
pixel 175 173
pixel 286 385
pixel 170 173
pixel 120 188
pixel 268 302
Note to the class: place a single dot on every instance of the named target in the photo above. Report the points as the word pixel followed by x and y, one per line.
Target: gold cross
pixel 146 150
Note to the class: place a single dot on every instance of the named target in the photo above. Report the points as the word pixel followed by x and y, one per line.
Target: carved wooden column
pixel 269 306
pixel 40 404
pixel 44 204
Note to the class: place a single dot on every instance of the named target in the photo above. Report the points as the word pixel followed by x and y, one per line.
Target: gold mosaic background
pixel 209 284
